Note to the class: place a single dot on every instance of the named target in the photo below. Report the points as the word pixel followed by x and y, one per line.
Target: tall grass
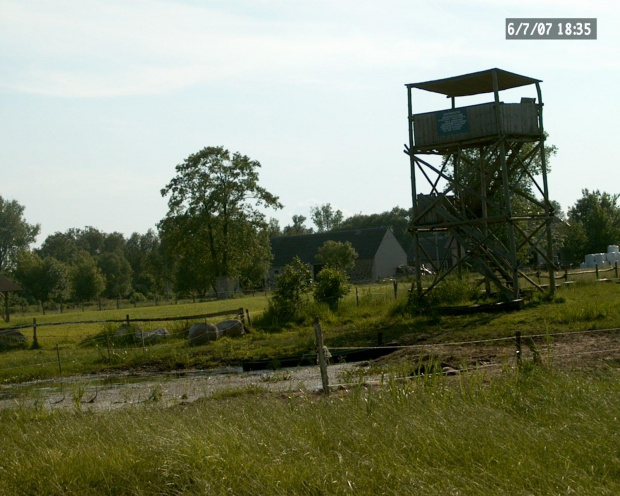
pixel 540 432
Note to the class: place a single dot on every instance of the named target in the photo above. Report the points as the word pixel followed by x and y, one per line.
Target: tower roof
pixel 475 83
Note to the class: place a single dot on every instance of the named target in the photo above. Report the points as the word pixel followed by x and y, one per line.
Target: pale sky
pixel 100 99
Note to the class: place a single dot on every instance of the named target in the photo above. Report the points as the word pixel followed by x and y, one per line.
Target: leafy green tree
pixel 30 274
pixel 145 254
pixel 61 246
pixel 593 224
pixel 293 284
pixel 113 242
pixel 213 213
pixel 15 233
pixel 331 287
pixel 43 279
pixel 87 280
pixel 118 274
pixel 273 228
pixel 337 255
pixel 90 239
pixel 297 227
pixel 325 218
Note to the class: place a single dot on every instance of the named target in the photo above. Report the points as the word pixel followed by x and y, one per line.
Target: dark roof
pixel 365 241
pixel 475 83
pixel 6 285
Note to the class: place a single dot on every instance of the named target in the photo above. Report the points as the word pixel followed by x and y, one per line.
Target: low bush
pixel 331 287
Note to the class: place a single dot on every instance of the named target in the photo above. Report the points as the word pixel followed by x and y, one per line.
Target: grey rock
pixel 155 335
pixel 11 337
pixel 203 333
pixel 231 328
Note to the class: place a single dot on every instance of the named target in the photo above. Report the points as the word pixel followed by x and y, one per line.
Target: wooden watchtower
pixel 484 172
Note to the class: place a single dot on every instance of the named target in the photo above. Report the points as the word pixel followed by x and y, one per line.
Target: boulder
pixel 129 333
pixel 203 333
pixel 11 337
pixel 231 328
pixel 125 330
pixel 155 335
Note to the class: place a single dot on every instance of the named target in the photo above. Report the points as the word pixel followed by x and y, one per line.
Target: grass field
pixel 530 430
pixel 84 348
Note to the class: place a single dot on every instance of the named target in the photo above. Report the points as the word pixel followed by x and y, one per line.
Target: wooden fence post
pixel 321 352
pixel 35 341
pixel 59 363
pixel 596 268
pixel 616 266
pixel 107 340
pixel 357 296
pixel 566 273
pixel 249 318
pixel 518 351
pixel 395 289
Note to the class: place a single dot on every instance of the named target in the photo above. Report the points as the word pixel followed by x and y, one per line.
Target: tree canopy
pixel 297 227
pixel 213 214
pixel 325 218
pixel 593 224
pixel 15 233
pixel 337 255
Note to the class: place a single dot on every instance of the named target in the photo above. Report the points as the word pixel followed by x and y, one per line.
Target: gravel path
pixel 109 392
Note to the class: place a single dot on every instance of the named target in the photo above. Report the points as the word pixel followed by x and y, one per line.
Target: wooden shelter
pixel 487 187
pixel 7 287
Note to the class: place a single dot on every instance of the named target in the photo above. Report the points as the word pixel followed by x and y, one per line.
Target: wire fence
pixel 99 350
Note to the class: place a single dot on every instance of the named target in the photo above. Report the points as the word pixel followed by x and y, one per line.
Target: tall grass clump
pixel 451 290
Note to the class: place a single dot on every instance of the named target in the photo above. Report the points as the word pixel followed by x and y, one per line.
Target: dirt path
pixel 108 392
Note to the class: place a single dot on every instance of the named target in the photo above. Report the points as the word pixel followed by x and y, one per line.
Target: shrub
pixel 293 284
pixel 330 287
pixel 450 291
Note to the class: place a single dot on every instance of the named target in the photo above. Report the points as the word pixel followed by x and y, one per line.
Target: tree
pixel 87 280
pixel 90 239
pixel 337 255
pixel 274 228
pixel 593 224
pixel 15 233
pixel 213 212
pixel 325 218
pixel 43 279
pixel 113 242
pixel 297 227
pixel 118 274
pixel 61 246
pixel 145 255
pixel 331 286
